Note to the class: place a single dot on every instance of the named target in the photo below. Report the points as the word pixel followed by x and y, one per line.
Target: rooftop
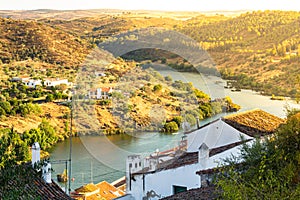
pixel 102 190
pixel 86 188
pixel 26 183
pixel 108 191
pixel 204 193
pixel 218 169
pixel 188 158
pixel 254 122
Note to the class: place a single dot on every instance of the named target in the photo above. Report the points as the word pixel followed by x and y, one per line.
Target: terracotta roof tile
pixel 204 193
pixel 29 184
pixel 108 191
pixel 218 169
pixel 221 149
pixel 254 122
pixel 188 158
pixel 102 190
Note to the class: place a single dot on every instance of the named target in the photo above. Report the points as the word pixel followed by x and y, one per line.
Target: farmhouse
pixel 55 82
pixel 100 93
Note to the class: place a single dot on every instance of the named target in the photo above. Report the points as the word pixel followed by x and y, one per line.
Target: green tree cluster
pixel 14 107
pixel 14 147
pixel 270 168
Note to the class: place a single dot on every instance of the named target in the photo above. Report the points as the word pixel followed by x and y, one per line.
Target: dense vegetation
pixel 269 168
pixel 14 147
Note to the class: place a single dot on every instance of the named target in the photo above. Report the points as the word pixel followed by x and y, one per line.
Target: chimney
pixel 35 153
pixel 46 172
pixel 203 153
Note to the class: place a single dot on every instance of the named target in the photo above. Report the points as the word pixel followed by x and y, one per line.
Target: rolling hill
pixel 28 40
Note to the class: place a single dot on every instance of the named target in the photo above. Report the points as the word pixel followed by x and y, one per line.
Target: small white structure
pixel 20 78
pixel 26 80
pixel 56 81
pixel 32 83
pixel 46 172
pixel 100 93
pixel 35 159
pixel 35 153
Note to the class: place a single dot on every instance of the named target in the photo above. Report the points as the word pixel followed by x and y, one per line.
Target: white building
pixel 32 83
pixel 56 81
pixel 100 93
pixel 162 175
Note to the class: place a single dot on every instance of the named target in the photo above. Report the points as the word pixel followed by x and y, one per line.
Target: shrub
pixel 49 98
pixel 170 127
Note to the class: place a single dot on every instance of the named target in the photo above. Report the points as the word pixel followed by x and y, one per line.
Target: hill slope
pixel 23 40
pixel 260 49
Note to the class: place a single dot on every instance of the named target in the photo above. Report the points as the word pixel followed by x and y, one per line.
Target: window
pixel 130 165
pixel 140 164
pixel 135 165
pixel 178 189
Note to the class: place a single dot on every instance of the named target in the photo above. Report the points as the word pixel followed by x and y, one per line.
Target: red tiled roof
pixel 203 193
pixel 105 89
pixel 26 183
pixel 254 122
pixel 189 158
pixel 217 150
pixel 108 191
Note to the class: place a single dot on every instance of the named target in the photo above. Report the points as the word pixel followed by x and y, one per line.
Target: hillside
pixel 53 113
pixel 97 29
pixel 25 40
pixel 263 47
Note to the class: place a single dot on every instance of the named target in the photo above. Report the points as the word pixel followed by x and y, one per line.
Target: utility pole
pixel 70 155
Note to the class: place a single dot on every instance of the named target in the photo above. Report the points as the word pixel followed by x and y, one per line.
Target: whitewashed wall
pixel 214 135
pixel 162 182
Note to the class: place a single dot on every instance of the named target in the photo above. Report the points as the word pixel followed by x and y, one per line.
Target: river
pixel 98 158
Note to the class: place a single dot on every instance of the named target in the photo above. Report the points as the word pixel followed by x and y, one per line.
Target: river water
pixel 98 158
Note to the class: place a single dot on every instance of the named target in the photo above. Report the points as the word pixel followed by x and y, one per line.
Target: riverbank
pixel 95 159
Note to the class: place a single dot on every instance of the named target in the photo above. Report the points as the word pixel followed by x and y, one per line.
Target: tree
pixel 157 88
pixel 178 120
pixel 168 78
pixel 5 105
pixel 170 127
pixel 49 98
pixel 270 168
pixel 13 150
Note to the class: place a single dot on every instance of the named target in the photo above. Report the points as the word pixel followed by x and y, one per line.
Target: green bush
pixel 170 127
pixel 49 98
pixel 178 120
pixel 157 88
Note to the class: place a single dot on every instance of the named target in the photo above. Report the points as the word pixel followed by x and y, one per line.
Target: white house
pixel 26 80
pixel 20 78
pixel 32 83
pixel 162 175
pixel 56 81
pixel 100 93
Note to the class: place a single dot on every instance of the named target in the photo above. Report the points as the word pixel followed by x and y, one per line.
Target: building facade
pixel 162 175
